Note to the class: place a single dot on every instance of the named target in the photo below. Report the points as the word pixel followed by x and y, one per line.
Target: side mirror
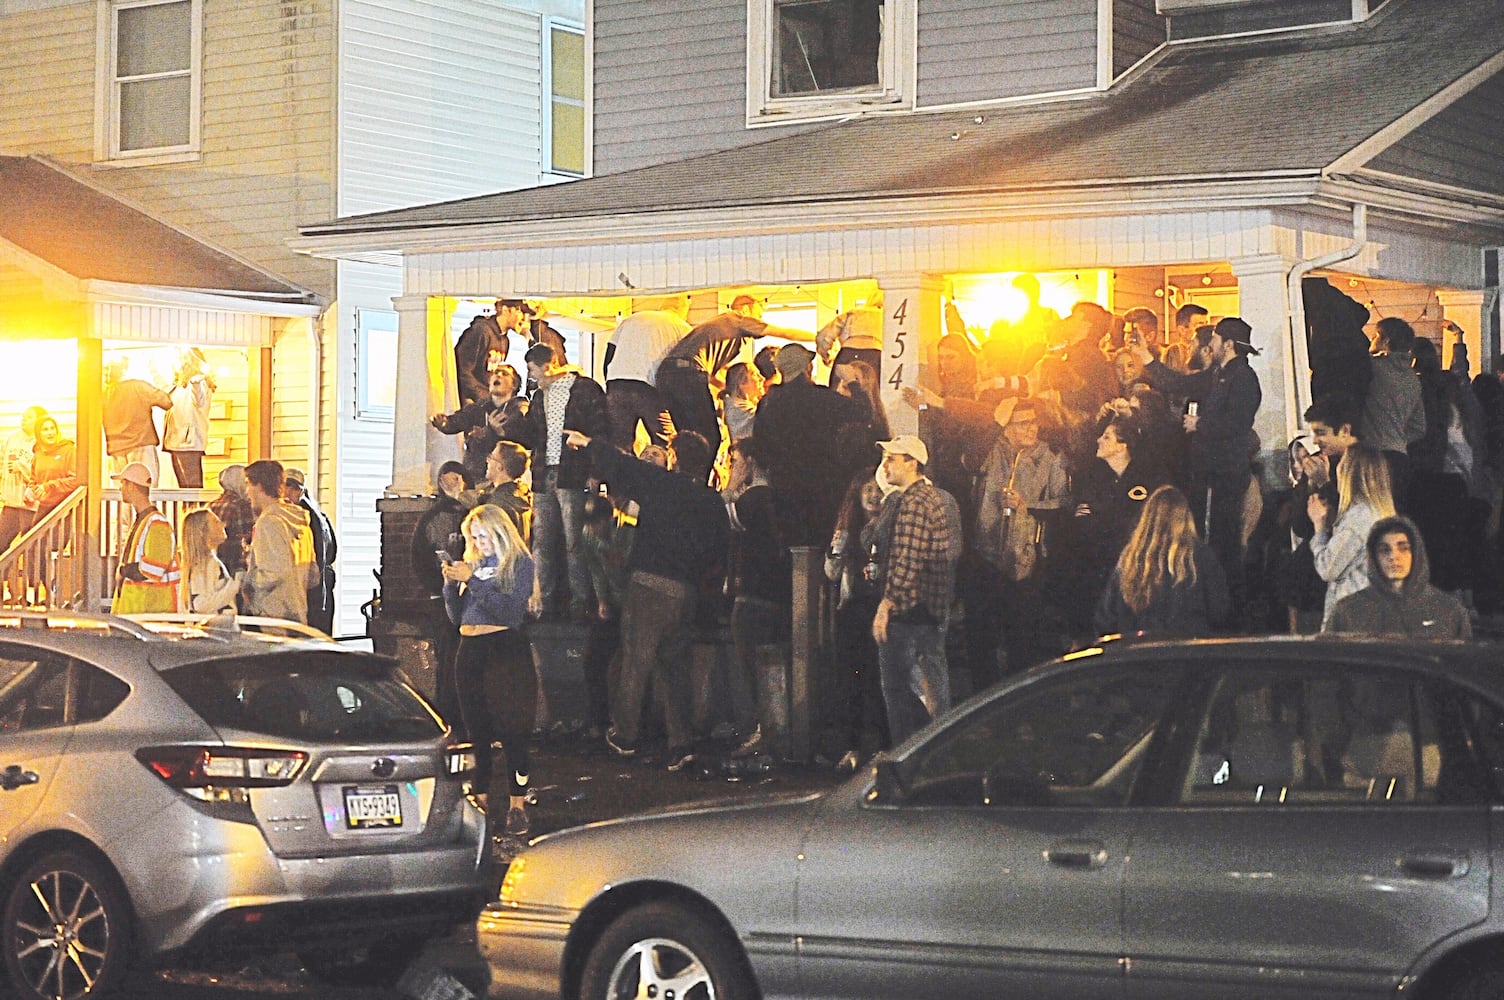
pixel 887 784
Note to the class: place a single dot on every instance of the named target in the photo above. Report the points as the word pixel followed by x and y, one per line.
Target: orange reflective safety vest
pixel 149 547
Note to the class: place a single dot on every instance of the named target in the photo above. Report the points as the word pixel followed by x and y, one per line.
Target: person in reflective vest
pixel 146 579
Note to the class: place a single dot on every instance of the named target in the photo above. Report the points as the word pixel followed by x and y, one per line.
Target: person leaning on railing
pixel 54 471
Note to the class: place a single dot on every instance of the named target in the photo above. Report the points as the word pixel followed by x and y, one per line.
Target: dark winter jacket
pixel 584 412
pixel 803 435
pixel 1418 610
pixel 1190 609
pixel 437 530
pixel 682 530
pixel 482 346
pixel 1219 447
pixel 484 424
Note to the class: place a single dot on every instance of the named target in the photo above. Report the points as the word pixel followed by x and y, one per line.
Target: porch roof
pixel 93 235
pixel 1274 106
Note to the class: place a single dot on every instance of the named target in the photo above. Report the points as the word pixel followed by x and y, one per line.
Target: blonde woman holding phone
pixel 487 596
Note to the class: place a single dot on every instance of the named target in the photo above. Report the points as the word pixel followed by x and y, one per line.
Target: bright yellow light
pixel 984 299
pixel 38 371
pixel 989 303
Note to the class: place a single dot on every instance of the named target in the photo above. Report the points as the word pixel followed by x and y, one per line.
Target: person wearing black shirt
pixel 681 536
pixel 761 586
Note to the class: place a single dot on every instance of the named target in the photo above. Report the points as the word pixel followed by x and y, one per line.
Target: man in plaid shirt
pixel 918 583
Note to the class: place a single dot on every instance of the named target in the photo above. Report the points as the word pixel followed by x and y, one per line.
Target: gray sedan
pixel 1231 819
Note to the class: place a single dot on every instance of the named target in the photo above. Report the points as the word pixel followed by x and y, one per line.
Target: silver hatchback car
pixel 200 792
pixel 1239 820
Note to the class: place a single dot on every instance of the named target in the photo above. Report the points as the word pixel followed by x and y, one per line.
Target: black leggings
pixel 498 694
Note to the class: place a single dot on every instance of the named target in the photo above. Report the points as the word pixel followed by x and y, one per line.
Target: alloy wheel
pixel 59 934
pixel 660 969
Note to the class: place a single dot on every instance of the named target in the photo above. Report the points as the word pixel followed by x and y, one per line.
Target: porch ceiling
pixel 1282 106
pixel 92 235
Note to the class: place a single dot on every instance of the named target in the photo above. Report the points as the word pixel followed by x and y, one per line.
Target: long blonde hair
pixel 508 544
pixel 195 554
pixel 1161 552
pixel 1364 476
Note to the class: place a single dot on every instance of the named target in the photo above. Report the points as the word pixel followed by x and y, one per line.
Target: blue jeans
pixel 558 516
pixel 915 677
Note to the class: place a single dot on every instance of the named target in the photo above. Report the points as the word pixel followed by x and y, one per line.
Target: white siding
pixel 790 258
pixel 117 321
pixel 974 50
pixel 362 452
pixel 439 99
pixel 293 393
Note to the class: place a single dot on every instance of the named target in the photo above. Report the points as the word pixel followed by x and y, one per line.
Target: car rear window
pixel 306 695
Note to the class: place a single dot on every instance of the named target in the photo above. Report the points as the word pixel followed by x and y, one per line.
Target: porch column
pixel 1264 305
pixel 1469 310
pixel 410 426
pixel 912 328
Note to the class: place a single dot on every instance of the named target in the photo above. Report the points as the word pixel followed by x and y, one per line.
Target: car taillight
pixel 220 774
pixel 459 760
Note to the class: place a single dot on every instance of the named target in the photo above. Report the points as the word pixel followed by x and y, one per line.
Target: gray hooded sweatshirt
pixel 1417 610
pixel 282 564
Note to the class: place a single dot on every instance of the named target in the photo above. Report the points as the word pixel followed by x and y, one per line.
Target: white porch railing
pixel 44 567
pixel 116 518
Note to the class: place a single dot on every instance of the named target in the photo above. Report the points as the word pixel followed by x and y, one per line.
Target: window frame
pixel 107 105
pixel 367 323
pixel 897 71
pixel 550 98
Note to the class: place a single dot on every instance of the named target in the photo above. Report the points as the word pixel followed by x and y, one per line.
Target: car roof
pixel 123 644
pixel 1476 662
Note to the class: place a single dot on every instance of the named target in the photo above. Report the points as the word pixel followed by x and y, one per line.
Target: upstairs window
pixel 149 79
pixel 809 58
pixel 564 117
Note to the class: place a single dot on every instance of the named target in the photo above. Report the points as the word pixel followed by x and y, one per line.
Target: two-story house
pixel 1136 152
pixel 155 156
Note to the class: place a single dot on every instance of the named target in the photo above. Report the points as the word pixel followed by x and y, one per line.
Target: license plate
pixel 372 807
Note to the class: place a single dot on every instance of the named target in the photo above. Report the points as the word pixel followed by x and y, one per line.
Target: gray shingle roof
pixel 1266 104
pixel 91 235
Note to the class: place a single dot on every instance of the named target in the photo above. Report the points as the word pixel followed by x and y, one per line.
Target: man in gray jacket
pixel 1394 415
pixel 282 563
pixel 1400 600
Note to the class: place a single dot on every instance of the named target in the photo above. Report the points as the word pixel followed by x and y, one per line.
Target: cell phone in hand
pixel 444 557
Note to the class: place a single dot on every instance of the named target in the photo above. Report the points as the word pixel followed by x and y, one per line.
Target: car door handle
pixel 1437 863
pixel 1077 854
pixel 13 777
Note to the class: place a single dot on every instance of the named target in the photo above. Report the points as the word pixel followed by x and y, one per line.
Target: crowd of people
pixel 261 548
pixel 1073 476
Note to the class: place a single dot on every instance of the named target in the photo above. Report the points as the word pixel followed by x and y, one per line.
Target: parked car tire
pixel 86 898
pixel 379 964
pixel 670 944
